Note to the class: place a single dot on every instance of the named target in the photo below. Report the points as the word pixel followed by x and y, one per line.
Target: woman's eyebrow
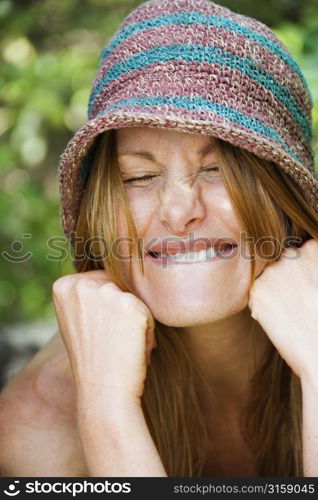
pixel 149 156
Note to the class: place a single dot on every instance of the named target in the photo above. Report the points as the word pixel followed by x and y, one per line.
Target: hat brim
pixel 72 186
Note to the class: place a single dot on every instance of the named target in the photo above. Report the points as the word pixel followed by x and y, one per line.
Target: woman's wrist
pixel 109 407
pixel 116 440
pixel 114 419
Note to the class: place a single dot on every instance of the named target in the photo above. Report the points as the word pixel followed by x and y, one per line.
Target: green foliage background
pixel 50 51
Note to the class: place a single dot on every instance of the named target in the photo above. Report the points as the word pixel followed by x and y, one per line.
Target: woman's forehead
pixel 138 140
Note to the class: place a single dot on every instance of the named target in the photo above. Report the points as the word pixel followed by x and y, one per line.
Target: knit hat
pixel 194 66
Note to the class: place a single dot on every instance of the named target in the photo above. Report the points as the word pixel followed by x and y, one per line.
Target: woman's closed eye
pixel 142 179
pixel 209 171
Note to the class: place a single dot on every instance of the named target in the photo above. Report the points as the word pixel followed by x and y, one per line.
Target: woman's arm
pixel 284 300
pixel 108 335
pixel 310 425
pixel 116 439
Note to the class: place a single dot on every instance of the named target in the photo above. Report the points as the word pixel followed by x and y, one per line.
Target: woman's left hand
pixel 284 300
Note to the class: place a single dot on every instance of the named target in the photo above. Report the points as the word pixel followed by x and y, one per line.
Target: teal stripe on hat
pixel 193 17
pixel 195 103
pixel 198 52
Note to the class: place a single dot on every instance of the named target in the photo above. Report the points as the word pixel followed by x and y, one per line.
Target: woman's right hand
pixel 108 334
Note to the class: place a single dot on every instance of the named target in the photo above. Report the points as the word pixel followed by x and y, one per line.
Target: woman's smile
pixel 207 255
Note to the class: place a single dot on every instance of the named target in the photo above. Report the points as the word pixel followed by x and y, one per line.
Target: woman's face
pixel 180 198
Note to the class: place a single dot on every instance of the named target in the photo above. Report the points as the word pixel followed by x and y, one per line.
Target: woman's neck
pixel 228 354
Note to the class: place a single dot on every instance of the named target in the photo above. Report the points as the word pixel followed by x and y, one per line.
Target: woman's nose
pixel 181 208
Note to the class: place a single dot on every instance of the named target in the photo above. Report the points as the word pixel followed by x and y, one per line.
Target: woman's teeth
pixel 189 256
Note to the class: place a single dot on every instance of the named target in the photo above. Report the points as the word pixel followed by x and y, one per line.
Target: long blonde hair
pixel 266 202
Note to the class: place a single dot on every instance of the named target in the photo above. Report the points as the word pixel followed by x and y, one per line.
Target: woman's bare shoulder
pixel 38 435
pixel 45 381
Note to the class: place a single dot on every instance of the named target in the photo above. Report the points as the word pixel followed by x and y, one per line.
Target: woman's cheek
pixel 142 207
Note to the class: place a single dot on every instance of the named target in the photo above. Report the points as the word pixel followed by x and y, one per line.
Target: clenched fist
pixel 108 334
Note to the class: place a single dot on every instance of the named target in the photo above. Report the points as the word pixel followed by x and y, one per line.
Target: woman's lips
pixel 174 246
pixel 186 258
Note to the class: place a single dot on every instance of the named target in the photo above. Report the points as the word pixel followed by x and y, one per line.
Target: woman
pixel 188 337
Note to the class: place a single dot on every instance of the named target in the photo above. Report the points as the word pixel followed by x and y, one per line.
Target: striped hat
pixel 194 66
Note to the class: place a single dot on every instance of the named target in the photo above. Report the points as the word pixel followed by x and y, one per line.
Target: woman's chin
pixel 181 300
pixel 193 313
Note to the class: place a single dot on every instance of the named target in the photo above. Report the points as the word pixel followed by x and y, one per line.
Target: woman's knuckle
pixel 311 246
pixel 109 293
pixel 83 286
pixel 60 285
pixel 130 299
pixel 132 305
